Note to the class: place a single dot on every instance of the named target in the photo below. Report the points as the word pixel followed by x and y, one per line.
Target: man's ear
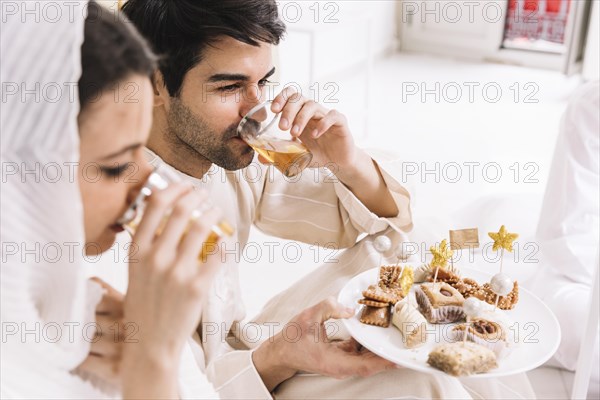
pixel 161 94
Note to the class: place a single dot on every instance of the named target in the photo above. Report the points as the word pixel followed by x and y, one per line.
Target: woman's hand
pixel 104 358
pixel 167 286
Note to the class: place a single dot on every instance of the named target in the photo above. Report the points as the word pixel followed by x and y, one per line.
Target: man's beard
pixel 213 146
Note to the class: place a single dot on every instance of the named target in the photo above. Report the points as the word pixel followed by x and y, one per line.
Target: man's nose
pixel 252 97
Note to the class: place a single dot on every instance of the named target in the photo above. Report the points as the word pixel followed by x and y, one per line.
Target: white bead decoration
pixel 501 284
pixel 382 244
pixel 472 307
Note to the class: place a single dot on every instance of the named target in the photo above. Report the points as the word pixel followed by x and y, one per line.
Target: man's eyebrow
pixel 270 73
pixel 236 77
pixel 123 150
pixel 228 77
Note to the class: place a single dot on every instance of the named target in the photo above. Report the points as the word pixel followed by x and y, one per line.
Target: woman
pixel 166 285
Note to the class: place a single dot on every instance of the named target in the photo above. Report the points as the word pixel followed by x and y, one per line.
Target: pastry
pixel 393 280
pixel 425 272
pixel 378 316
pixel 460 358
pixel 411 324
pixel 447 276
pixel 469 287
pixel 439 302
pixel 422 273
pixel 486 333
pixel 388 275
pixel 373 303
pixel 507 302
pixel 396 277
pixel 387 295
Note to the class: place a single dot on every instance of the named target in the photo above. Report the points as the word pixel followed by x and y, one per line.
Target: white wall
pixel 335 34
pixel 465 29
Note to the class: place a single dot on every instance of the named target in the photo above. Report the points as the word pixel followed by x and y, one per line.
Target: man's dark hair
pixel 112 51
pixel 180 30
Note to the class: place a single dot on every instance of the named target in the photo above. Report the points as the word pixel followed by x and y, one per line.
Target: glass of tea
pixel 260 129
pixel 160 179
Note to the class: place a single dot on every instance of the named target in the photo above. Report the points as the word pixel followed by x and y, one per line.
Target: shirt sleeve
pixel 234 376
pixel 316 208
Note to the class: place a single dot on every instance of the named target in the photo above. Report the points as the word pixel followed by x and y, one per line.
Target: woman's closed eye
pixel 117 170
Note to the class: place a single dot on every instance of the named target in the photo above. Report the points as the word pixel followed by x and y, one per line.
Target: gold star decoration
pixel 503 239
pixel 441 254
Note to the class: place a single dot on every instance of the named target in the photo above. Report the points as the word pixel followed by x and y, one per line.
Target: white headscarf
pixel 47 307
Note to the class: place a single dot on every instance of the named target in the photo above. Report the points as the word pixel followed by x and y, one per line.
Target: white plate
pixel 536 331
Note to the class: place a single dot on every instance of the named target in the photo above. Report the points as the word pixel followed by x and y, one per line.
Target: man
pixel 215 68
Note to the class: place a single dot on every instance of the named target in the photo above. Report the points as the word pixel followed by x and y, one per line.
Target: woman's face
pixel 113 130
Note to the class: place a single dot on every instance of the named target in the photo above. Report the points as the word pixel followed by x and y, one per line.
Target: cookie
pixel 388 275
pixel 373 303
pixel 384 295
pixel 377 316
pixel 459 359
pixel 440 303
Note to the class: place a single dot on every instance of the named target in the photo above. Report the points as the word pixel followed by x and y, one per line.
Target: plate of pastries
pixel 441 320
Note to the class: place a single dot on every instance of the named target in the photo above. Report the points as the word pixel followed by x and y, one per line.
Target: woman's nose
pixel 145 170
pixel 142 174
pixel 140 178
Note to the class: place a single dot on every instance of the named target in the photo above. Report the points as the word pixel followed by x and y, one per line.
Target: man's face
pixel 215 95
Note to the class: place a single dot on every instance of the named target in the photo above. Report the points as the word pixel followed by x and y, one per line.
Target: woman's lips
pixel 118 228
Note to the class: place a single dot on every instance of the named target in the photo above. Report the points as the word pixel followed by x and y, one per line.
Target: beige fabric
pixel 394 384
pixel 405 384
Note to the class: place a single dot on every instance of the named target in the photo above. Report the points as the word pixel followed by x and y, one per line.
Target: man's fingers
pixel 331 308
pixel 289 112
pixel 282 98
pixel 350 345
pixel 332 118
pixel 308 111
pixel 341 364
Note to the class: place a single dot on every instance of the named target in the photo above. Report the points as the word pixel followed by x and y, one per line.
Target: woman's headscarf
pixel 47 307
